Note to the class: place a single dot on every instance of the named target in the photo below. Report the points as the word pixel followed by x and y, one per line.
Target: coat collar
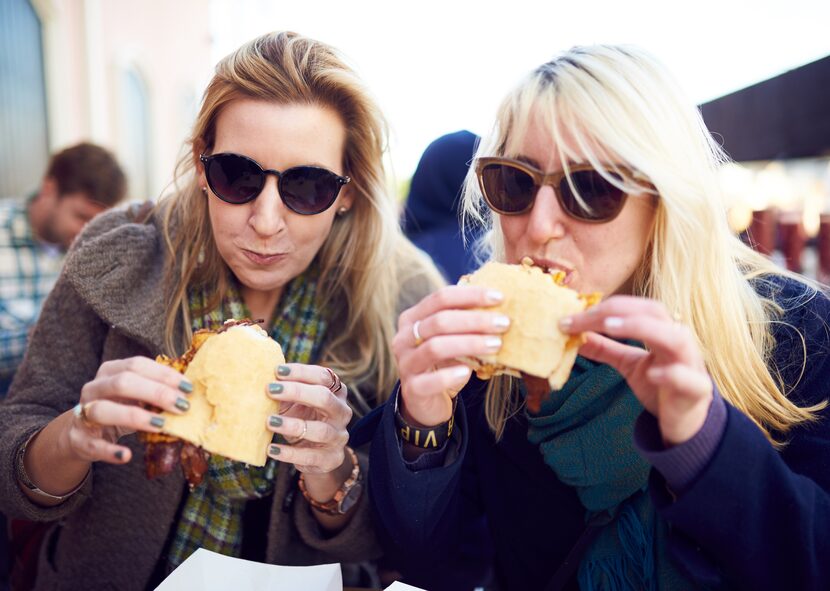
pixel 117 267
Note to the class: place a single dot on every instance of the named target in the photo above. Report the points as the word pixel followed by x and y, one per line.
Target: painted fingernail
pixel 566 323
pixel 185 386
pixel 492 343
pixel 182 403
pixel 274 450
pixel 275 388
pixel 494 295
pixel 119 455
pixel 275 421
pixel 501 321
pixel 157 422
pixel 283 370
pixel 613 322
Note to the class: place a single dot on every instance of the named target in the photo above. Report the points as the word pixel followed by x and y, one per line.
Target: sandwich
pixel 533 348
pixel 229 408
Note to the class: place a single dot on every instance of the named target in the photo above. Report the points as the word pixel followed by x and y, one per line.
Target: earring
pixel 342 211
pixel 204 190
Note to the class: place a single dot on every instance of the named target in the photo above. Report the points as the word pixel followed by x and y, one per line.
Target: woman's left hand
pixel 313 417
pixel 669 378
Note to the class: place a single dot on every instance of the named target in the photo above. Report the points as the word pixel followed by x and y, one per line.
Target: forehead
pixel 288 133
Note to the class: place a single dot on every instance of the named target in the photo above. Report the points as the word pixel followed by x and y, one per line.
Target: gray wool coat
pixel 109 304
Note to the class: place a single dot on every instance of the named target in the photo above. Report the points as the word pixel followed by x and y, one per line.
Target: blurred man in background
pixel 80 182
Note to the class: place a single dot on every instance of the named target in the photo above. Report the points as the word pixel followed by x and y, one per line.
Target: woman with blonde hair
pixel 283 216
pixel 690 446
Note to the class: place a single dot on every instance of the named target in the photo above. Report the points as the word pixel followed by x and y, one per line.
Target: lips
pixel 555 265
pixel 263 258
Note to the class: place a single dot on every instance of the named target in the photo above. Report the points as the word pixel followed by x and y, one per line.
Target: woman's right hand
pixel 430 373
pixel 111 403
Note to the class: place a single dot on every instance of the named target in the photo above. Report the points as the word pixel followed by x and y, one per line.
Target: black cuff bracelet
pixel 424 437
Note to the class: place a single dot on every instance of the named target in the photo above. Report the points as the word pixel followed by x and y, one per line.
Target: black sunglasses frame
pixel 540 179
pixel 264 172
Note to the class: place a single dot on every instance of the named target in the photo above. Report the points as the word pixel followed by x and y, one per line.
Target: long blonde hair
pixel 617 104
pixel 365 261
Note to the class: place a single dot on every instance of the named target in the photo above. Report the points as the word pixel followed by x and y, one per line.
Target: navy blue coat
pixel 754 518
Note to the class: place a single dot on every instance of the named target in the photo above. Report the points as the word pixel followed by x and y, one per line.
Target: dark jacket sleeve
pixel 760 515
pixel 424 518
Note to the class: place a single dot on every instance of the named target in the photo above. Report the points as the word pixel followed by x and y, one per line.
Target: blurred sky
pixel 439 66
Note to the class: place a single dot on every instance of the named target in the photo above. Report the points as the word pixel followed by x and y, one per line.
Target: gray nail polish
pixel 182 403
pixel 119 455
pixel 275 450
pixel 283 370
pixel 157 422
pixel 275 421
pixel 185 386
pixel 275 388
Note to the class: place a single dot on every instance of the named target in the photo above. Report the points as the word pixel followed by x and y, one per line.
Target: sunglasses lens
pixel 308 189
pixel 234 178
pixel 600 200
pixel 506 188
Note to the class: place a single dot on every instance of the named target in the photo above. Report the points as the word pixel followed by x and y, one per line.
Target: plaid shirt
pixel 28 270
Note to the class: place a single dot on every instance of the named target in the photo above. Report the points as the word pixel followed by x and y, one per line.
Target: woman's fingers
pixel 94 449
pixel 439 350
pixel 618 355
pixel 308 459
pixel 138 381
pixel 684 381
pixel 317 397
pixel 450 297
pixel 308 430
pixel 661 335
pixel 106 413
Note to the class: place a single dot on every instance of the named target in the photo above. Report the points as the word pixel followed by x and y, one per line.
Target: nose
pixel 268 211
pixel 547 219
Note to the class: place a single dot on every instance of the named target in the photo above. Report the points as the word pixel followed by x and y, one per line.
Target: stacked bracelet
pixel 425 437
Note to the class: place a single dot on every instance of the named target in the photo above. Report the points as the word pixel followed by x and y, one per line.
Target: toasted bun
pixel 535 302
pixel 229 407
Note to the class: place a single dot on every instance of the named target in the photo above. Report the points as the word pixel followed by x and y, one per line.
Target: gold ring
pixel 336 384
pixel 417 333
pixel 81 411
pixel 305 430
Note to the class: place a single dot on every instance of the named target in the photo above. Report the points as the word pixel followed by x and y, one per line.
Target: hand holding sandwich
pixel 432 336
pixel 669 378
pixel 58 457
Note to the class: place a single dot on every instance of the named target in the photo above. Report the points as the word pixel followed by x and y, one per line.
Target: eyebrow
pixel 528 160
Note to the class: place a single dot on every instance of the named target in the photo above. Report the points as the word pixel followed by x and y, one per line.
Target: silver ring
pixel 417 333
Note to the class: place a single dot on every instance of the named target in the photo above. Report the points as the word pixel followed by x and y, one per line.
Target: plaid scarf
pixel 212 514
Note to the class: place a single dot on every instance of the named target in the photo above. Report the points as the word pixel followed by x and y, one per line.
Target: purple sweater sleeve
pixel 681 464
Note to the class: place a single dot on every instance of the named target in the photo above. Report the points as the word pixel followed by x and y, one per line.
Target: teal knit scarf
pixel 212 514
pixel 584 432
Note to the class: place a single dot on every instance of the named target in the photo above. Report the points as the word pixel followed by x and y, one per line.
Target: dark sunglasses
pixel 237 179
pixel 510 187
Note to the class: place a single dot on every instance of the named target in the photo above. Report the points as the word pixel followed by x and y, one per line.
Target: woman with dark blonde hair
pixel 283 216
pixel 690 447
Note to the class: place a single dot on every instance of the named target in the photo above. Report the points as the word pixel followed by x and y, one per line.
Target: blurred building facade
pixel 127 75
pixel 778 132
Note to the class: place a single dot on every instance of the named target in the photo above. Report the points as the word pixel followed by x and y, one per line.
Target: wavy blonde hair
pixel 617 104
pixel 365 261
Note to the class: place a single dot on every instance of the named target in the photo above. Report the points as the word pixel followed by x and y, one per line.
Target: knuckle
pixel 121 382
pixel 137 417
